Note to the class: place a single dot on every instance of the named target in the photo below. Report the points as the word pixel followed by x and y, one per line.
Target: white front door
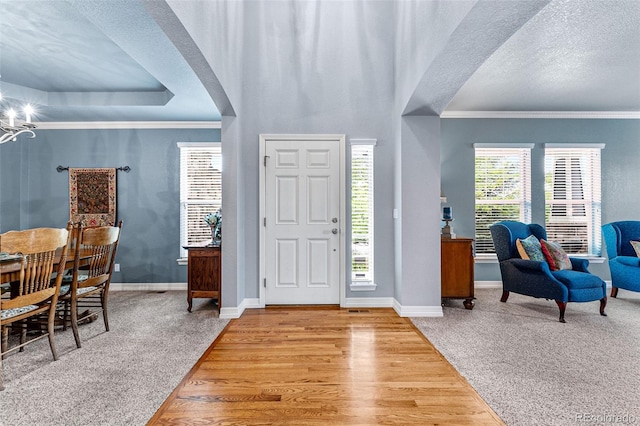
pixel 302 247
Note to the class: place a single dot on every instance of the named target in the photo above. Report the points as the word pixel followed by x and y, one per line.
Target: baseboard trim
pixel 236 312
pixel 350 302
pixel 487 284
pixel 147 286
pixel 417 311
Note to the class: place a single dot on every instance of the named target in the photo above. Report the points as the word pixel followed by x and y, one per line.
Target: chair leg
pixel 563 307
pixel 614 291
pixel 5 339
pixel 65 313
pixel 74 321
pixel 105 315
pixel 50 327
pixel 23 334
pixel 603 303
pixel 505 296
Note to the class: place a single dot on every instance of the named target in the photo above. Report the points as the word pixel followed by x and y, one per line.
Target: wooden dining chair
pixel 44 251
pixel 88 283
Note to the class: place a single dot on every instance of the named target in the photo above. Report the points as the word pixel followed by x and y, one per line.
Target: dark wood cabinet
pixel 456 265
pixel 204 273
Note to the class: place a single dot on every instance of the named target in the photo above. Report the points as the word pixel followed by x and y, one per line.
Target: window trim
pixel 525 201
pixel 182 260
pixel 594 237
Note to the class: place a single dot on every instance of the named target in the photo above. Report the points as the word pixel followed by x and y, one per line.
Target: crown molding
pixel 89 125
pixel 633 115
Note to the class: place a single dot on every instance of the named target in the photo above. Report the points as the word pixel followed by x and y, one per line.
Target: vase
pixel 215 234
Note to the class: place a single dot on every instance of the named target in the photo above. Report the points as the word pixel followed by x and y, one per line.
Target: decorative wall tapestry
pixel 92 196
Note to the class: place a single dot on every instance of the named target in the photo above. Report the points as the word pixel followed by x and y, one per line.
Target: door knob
pixel 334 231
pixel 334 220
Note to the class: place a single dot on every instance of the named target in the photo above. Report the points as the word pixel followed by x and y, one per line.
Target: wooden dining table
pixel 10 269
pixel 9 272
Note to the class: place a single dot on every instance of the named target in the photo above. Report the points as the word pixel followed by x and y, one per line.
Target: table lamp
pixel 447 229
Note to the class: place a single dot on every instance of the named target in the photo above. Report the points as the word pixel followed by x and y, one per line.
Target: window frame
pixel 364 148
pixel 589 181
pixel 213 148
pixel 524 151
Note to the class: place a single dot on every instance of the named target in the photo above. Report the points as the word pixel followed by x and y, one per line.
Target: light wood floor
pixel 323 366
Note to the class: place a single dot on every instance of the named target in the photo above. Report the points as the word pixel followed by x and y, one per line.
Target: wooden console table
pixel 204 273
pixel 456 265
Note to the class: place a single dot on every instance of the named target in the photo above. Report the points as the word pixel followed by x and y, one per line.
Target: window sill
pixel 363 286
pixel 486 258
pixel 591 259
pixel 183 261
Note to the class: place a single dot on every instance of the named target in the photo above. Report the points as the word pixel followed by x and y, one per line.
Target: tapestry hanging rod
pixel 125 169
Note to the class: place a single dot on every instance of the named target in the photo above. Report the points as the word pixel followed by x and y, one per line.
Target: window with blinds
pixel 362 212
pixel 502 189
pixel 573 198
pixel 200 190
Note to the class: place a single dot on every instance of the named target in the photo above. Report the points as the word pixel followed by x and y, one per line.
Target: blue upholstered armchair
pixel 624 264
pixel 535 278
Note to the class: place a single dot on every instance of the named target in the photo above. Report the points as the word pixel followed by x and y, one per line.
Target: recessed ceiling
pixel 96 61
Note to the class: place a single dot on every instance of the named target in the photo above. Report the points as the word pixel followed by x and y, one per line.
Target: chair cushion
pixel 69 277
pixel 555 255
pixel 636 247
pixel 575 280
pixel 84 290
pixel 64 290
pixel 10 313
pixel 530 249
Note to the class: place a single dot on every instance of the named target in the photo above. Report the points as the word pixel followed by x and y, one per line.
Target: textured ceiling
pixel 99 60
pixel 573 55
pixel 93 60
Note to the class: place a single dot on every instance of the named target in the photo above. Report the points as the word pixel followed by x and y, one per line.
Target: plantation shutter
pixel 573 197
pixel 362 211
pixel 200 190
pixel 502 189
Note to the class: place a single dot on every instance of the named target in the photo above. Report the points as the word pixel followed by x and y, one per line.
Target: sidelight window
pixel 362 249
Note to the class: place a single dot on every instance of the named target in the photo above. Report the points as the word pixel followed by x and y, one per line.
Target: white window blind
pixel 573 197
pixel 200 190
pixel 502 190
pixel 362 212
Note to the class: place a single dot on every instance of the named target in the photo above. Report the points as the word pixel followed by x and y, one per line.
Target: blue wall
pixel 620 167
pixel 34 194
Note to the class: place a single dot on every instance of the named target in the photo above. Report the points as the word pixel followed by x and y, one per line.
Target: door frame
pixel 264 138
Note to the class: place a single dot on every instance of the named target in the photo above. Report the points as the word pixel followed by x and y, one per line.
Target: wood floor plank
pixel 319 366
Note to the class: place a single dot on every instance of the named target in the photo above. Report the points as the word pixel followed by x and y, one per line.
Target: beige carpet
pixel 120 377
pixel 533 370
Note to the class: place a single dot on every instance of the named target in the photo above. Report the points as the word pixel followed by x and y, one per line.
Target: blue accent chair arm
pixel 530 265
pixel 579 264
pixel 627 261
pixel 532 278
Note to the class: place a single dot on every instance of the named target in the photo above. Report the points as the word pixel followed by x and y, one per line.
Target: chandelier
pixel 11 126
